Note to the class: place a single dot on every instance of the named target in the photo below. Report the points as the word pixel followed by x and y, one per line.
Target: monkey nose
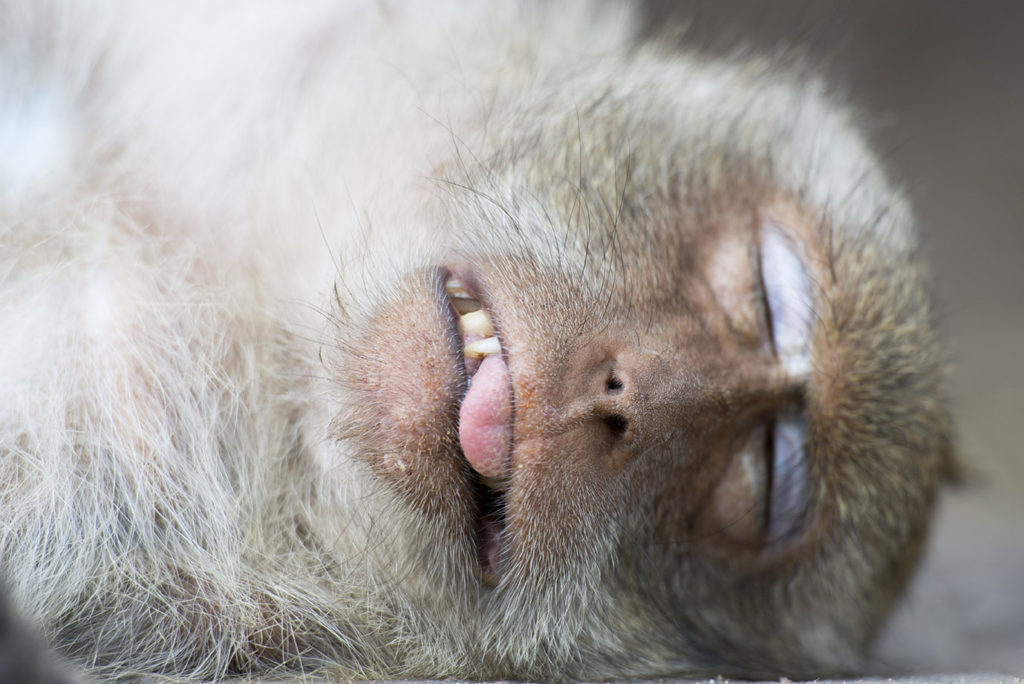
pixel 485 419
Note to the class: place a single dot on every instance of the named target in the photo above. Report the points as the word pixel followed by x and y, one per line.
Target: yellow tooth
pixel 482 348
pixel 476 322
pixel 465 306
pixel 461 300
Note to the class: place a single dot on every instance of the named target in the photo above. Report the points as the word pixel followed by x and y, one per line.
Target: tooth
pixel 455 290
pixel 482 348
pixel 464 306
pixel 476 322
pixel 461 300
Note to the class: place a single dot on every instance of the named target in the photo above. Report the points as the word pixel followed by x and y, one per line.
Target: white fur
pixel 180 183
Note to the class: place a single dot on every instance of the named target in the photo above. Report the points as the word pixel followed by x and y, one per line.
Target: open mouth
pixel 485 417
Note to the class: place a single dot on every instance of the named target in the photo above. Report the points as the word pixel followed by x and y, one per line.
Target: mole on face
pixel 473 345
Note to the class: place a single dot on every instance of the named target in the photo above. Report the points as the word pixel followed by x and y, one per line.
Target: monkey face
pixel 659 378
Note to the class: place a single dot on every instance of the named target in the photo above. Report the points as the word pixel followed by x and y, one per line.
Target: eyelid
pixel 789 476
pixel 788 295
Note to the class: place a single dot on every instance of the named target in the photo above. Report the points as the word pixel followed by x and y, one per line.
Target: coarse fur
pixel 228 424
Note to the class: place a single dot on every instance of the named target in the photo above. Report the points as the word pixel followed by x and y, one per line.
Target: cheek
pixel 662 494
pixel 710 496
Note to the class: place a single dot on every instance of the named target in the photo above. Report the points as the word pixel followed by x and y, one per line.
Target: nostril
pixel 618 424
pixel 613 385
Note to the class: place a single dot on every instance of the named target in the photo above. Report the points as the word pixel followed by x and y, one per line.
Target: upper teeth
pixel 461 300
pixel 473 321
pixel 476 322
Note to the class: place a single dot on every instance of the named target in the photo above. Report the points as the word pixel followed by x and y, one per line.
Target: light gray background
pixel 941 86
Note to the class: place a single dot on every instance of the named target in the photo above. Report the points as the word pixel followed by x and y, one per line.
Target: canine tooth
pixel 477 322
pixel 482 348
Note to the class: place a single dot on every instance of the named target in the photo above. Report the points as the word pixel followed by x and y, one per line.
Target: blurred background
pixel 941 88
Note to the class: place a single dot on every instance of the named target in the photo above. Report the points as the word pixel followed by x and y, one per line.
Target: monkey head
pixel 665 395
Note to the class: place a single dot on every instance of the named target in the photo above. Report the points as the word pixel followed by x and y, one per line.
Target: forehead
pixel 661 139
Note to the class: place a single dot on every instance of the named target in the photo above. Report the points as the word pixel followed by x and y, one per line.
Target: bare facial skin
pixel 385 341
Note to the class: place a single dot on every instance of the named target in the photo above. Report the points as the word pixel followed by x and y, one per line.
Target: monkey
pixel 385 340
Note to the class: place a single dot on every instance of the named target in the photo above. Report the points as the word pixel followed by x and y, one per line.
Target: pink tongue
pixel 485 419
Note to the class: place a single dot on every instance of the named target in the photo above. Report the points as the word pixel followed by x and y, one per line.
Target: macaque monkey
pixel 470 340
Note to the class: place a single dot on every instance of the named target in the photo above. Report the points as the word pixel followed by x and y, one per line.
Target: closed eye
pixel 788 491
pixel 788 300
pixel 764 494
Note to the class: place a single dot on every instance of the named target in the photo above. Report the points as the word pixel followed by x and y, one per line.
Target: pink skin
pixel 485 418
pixel 471 364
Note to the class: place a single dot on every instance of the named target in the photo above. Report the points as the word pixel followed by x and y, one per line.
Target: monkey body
pixel 240 430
